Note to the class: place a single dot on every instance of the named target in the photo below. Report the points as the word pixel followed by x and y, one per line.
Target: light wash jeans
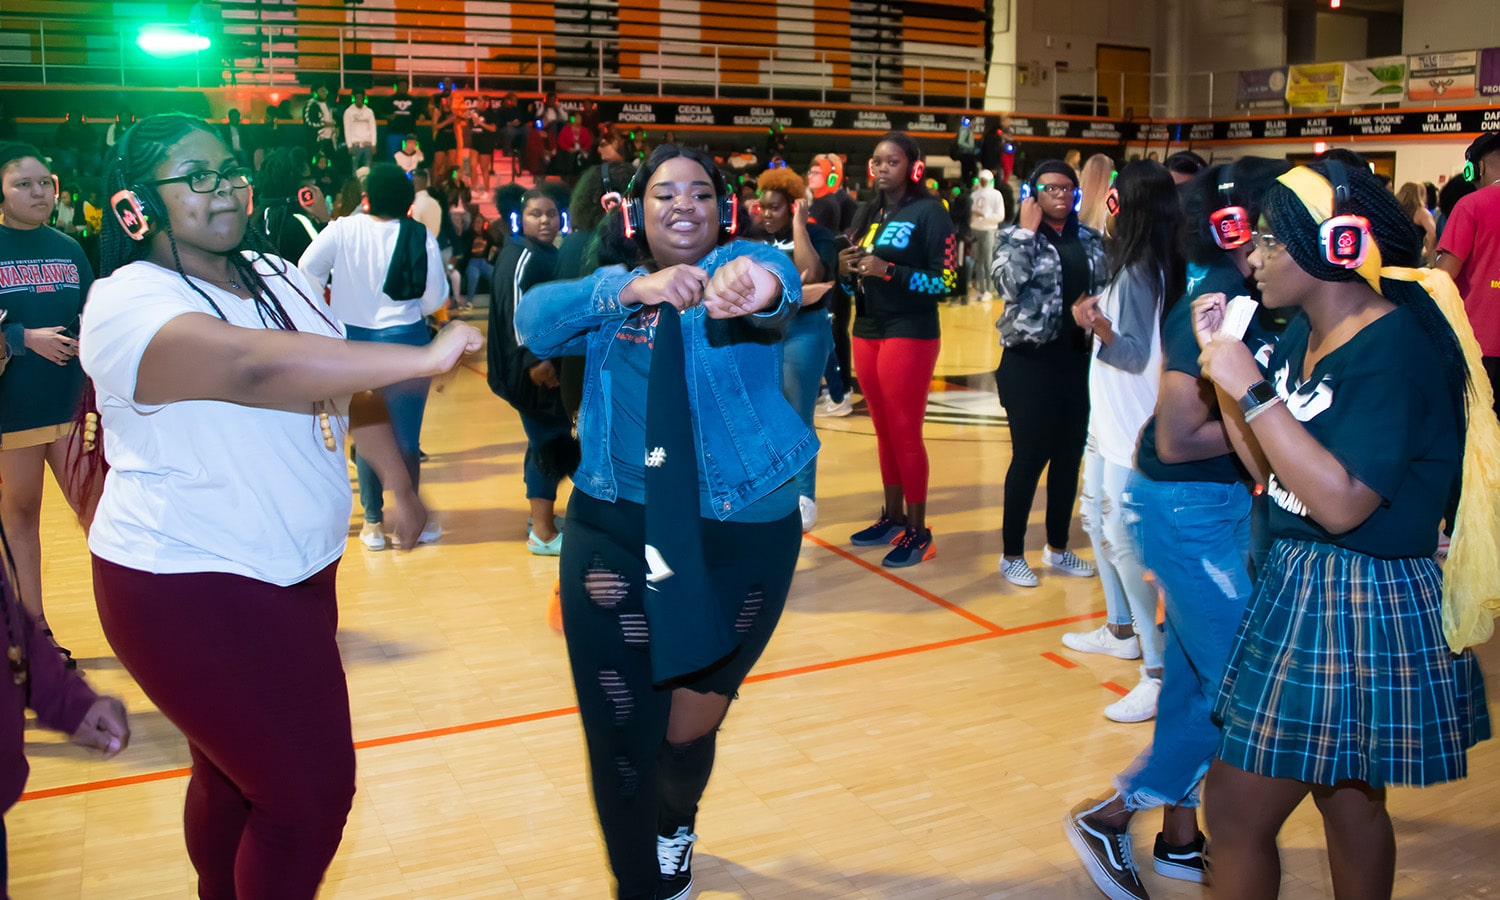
pixel 1127 596
pixel 805 351
pixel 984 257
pixel 1196 537
pixel 406 401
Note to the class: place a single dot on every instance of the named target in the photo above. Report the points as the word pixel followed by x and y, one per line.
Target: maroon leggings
pixel 251 674
pixel 895 375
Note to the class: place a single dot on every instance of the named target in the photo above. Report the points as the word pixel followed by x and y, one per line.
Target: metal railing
pixel 65 50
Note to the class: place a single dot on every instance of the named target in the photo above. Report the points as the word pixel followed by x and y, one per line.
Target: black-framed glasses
pixel 207 181
pixel 1266 242
pixel 1056 190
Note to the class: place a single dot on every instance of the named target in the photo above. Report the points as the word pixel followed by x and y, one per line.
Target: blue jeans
pixel 540 430
pixel 1127 596
pixel 1196 537
pixel 406 401
pixel 805 351
pixel 476 269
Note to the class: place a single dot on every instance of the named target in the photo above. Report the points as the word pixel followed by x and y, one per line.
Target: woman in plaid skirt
pixel 1341 681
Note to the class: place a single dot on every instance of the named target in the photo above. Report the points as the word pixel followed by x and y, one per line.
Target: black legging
pixel 644 786
pixel 1045 392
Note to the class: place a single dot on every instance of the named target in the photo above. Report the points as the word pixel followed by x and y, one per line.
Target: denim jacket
pixel 750 440
pixel 1028 274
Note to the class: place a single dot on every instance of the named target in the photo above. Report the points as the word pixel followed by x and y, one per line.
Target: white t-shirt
pixel 1121 400
pixel 358 251
pixel 207 485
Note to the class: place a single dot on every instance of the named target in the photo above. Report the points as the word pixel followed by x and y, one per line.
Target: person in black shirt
pixel 904 261
pixel 1041 267
pixel 1190 512
pixel 1350 672
pixel 400 117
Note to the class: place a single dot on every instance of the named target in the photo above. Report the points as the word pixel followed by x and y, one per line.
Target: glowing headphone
pixel 914 171
pixel 1345 237
pixel 136 207
pixel 728 203
pixel 1476 151
pixel 1231 225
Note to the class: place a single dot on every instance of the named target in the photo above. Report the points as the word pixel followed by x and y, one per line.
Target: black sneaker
pixel 1106 853
pixel 911 547
pixel 884 531
pixel 1185 863
pixel 675 856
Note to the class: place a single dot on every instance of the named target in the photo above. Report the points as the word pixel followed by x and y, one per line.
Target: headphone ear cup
pixel 635 215
pixel 917 169
pixel 1469 173
pixel 131 213
pixel 729 213
pixel 870 167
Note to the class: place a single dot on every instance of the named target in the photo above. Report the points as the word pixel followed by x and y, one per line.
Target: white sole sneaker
pixel 1018 573
pixel 1101 640
pixel 1067 563
pixel 1137 706
pixel 372 537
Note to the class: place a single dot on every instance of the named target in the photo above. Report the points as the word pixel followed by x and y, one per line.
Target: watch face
pixel 1260 392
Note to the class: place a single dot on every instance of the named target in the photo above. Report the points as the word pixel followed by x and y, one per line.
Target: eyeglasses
pixel 1266 242
pixel 1056 190
pixel 207 181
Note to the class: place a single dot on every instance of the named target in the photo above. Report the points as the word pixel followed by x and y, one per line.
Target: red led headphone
pixel 1231 224
pixel 915 173
pixel 1345 238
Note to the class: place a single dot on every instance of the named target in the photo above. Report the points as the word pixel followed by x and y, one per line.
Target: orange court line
pixel 920 592
pixel 1060 660
pixel 1114 687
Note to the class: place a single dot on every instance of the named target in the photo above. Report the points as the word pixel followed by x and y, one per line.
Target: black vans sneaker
pixel 1185 863
pixel 675 856
pixel 1105 852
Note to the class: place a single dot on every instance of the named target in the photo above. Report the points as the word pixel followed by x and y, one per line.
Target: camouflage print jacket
pixel 1028 275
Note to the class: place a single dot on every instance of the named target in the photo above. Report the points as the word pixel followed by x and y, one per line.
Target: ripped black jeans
pixel 643 786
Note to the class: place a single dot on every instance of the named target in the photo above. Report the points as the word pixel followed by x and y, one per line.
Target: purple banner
pixel 1489 72
pixel 1261 87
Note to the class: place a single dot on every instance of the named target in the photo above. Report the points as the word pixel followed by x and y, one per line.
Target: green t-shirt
pixel 44 278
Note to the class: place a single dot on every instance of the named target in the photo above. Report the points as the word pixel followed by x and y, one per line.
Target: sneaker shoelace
pixel 671 851
pixel 908 539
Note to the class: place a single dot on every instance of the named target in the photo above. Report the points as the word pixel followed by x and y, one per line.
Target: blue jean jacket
pixel 750 440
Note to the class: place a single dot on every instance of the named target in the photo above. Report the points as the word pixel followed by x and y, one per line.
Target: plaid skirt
pixel 1340 671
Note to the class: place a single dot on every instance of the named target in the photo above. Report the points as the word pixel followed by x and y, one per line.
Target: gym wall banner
pixel 1489 72
pixel 1320 84
pixel 1261 87
pixel 1442 76
pixel 1380 80
pixel 1333 127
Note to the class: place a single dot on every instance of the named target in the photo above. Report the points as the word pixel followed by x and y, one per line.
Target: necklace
pixel 231 282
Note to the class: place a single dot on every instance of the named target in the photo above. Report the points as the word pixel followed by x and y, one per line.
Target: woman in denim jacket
pixel 1041 266
pixel 653 687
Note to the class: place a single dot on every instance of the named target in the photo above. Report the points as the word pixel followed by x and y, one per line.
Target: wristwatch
pixel 1259 394
pixel 890 271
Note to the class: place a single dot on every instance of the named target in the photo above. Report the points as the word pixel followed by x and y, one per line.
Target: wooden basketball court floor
pixel 915 733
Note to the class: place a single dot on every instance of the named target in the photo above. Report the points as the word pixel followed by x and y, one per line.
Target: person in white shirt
pixel 359 130
pixel 409 157
pixel 370 257
pixel 987 212
pixel 1125 323
pixel 222 390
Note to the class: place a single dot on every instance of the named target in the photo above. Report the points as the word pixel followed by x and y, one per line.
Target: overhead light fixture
pixel 166 41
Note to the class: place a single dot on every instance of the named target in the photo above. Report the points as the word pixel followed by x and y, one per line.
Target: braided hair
pixel 1390 227
pixel 144 147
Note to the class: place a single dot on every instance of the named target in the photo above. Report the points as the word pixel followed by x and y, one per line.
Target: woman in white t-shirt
pixel 1126 323
pixel 388 276
pixel 222 389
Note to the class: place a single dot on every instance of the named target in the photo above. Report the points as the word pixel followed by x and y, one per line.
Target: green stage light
pixel 163 41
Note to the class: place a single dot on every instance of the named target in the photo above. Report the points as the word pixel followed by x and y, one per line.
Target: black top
pixel 918 238
pixel 822 244
pixel 1380 404
pixel 522 264
pixel 44 278
pixel 402 117
pixel 1179 350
